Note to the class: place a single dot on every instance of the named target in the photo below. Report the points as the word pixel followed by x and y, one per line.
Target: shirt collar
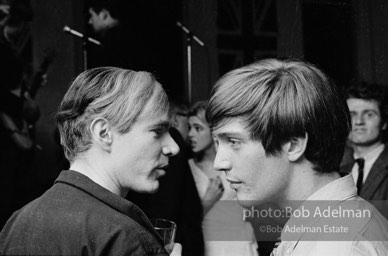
pixel 337 190
pixel 372 155
pixel 84 183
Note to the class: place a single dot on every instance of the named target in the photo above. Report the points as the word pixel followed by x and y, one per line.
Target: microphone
pixel 73 32
pixel 188 32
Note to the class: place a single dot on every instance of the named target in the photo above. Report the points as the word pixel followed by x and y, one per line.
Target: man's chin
pixel 154 188
pixel 249 201
pixel 244 201
pixel 151 189
pixel 365 143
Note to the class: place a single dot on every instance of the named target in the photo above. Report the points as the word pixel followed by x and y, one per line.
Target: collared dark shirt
pixel 79 217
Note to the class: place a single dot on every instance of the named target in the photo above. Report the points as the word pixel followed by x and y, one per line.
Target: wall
pixel 200 17
pixel 47 31
pixel 372 40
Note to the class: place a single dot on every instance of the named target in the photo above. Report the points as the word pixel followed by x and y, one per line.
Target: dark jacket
pixel 79 217
pixel 376 184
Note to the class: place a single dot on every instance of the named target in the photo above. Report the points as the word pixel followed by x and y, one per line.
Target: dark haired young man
pixel 280 130
pixel 368 110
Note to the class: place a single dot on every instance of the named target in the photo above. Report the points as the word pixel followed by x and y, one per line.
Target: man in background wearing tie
pixel 368 109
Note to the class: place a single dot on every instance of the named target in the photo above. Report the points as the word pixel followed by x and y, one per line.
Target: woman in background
pixel 225 231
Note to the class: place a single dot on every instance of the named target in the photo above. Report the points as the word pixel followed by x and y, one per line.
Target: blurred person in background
pixel 179 113
pixel 225 231
pixel 18 110
pixel 368 108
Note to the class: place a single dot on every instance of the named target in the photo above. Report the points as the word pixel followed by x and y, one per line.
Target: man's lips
pixel 359 130
pixel 161 170
pixel 234 184
pixel 160 173
pixel 163 167
pixel 233 181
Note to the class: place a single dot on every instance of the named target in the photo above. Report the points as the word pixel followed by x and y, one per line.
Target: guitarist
pixel 16 145
pixel 13 96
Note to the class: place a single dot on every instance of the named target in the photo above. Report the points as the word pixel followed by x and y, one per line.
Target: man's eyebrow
pixel 370 110
pixel 224 135
pixel 161 125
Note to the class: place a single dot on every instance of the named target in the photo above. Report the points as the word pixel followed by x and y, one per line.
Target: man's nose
pixel 222 161
pixel 170 148
pixel 358 119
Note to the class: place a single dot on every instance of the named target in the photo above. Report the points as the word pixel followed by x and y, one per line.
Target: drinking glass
pixel 166 229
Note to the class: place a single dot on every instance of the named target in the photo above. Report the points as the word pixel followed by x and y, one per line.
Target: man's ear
pixel 384 126
pixel 296 147
pixel 101 133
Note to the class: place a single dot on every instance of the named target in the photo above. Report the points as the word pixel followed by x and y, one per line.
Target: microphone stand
pixel 85 52
pixel 189 38
pixel 85 41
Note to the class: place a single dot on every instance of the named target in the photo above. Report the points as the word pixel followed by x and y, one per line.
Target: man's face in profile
pixel 250 172
pixel 140 157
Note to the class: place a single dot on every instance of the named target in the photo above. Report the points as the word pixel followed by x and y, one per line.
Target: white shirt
pixel 342 190
pixel 370 159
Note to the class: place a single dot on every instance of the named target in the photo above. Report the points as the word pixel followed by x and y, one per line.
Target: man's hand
pixel 213 193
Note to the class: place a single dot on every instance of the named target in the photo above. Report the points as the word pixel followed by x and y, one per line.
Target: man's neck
pixel 362 150
pixel 96 172
pixel 304 182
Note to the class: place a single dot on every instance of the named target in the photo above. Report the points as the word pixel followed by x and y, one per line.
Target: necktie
pixel 360 162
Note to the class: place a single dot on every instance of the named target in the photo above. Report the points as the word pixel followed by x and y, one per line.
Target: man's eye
pixel 370 114
pixel 158 133
pixel 235 143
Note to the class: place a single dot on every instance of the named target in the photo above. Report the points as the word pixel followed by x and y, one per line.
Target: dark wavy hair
pixel 370 91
